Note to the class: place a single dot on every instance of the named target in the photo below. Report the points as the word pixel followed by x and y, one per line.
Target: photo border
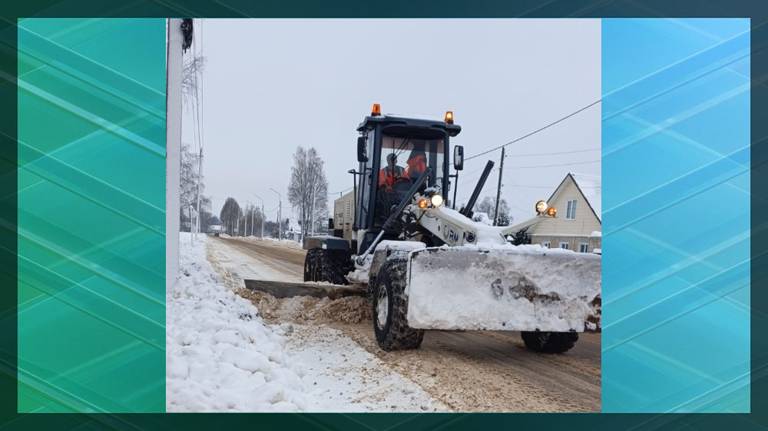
pixel 755 10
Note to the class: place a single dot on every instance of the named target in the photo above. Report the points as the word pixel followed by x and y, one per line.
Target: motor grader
pixel 425 265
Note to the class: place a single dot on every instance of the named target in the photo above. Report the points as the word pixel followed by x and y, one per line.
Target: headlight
pixel 552 212
pixel 436 200
pixel 541 207
pixel 423 203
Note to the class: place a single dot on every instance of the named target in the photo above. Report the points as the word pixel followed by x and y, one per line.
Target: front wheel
pixel 390 308
pixel 549 342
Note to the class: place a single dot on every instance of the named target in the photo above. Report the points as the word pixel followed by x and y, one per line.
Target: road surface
pixel 465 371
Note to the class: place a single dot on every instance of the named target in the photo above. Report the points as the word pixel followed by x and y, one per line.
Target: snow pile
pixel 350 309
pixel 483 218
pixel 289 242
pixel 350 379
pixel 220 356
pixel 502 287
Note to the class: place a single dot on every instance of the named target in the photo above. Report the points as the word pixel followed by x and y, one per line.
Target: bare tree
pixel 488 206
pixel 308 189
pixel 191 93
pixel 231 216
pixel 252 218
pixel 189 182
pixel 193 67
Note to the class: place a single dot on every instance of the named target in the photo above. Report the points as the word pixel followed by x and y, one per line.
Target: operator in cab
pixel 417 164
pixel 389 174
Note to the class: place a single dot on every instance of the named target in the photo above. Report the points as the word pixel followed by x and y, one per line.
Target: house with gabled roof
pixel 578 224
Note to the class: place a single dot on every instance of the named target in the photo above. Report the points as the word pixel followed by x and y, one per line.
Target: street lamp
pixel 279 214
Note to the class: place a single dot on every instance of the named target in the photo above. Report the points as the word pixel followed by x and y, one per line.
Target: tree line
pixel 307 194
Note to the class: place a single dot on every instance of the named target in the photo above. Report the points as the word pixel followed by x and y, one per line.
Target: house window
pixel 564 245
pixel 583 247
pixel 545 244
pixel 570 212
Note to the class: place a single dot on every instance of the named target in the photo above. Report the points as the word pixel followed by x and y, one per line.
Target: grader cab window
pixel 403 160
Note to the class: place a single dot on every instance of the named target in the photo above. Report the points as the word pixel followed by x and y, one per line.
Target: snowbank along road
pixel 458 371
pixel 222 356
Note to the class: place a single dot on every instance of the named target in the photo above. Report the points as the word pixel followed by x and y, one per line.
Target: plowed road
pixel 469 371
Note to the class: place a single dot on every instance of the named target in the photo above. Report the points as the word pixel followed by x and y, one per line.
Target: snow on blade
pixel 521 288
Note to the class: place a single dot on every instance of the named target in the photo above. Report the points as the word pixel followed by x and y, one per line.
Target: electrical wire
pixel 555 153
pixel 540 129
pixel 553 165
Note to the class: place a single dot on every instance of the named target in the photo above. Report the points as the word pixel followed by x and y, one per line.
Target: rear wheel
pixel 326 265
pixel 390 308
pixel 549 342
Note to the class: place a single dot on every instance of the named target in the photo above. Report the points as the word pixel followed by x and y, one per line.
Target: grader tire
pixel 390 308
pixel 549 342
pixel 326 265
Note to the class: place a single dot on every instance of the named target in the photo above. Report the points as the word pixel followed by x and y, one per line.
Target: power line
pixel 340 191
pixel 552 187
pixel 555 153
pixel 554 165
pixel 559 120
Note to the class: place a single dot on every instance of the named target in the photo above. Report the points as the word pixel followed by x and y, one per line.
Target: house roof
pixel 589 186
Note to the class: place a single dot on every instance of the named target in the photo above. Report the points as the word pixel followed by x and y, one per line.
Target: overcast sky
pixel 273 85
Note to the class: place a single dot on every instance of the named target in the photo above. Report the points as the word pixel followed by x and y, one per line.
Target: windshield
pixel 403 160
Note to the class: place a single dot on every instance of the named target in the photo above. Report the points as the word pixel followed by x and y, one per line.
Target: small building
pixel 578 225
pixel 293 230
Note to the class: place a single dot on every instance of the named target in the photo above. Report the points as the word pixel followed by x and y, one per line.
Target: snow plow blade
pixel 515 288
pixel 282 289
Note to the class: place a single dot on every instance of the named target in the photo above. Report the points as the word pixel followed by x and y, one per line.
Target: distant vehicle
pixel 215 229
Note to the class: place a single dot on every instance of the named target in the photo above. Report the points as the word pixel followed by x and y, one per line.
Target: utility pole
pixel 200 129
pixel 199 180
pixel 191 235
pixel 253 220
pixel 279 214
pixel 246 219
pixel 498 189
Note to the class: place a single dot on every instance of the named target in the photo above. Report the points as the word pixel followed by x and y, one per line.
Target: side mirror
pixel 362 149
pixel 458 157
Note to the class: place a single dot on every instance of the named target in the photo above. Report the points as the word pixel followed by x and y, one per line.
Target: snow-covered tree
pixel 189 181
pixel 308 189
pixel 488 206
pixel 193 69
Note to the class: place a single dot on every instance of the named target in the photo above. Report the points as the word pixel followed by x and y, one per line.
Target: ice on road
pixel 221 356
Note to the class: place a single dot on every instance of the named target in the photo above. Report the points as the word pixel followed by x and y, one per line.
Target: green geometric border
pixel 757 10
pixel 91 216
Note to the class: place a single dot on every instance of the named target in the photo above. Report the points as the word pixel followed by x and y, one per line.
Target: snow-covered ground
pixel 221 356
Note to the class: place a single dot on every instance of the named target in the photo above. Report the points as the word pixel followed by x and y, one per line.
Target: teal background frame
pixel 758 11
pixel 91 217
pixel 676 199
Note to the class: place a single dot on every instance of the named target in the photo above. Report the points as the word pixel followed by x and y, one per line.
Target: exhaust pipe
pixel 467 210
